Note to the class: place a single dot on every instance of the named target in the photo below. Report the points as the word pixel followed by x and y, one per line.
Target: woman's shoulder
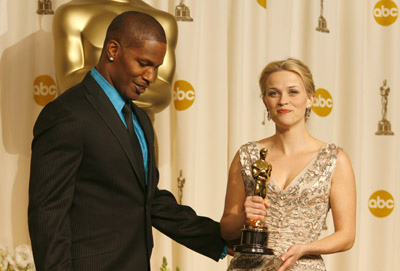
pixel 255 145
pixel 333 148
pixel 247 149
pixel 329 151
pixel 250 144
pixel 343 166
pixel 339 154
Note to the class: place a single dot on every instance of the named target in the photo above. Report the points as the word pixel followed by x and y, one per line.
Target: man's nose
pixel 150 74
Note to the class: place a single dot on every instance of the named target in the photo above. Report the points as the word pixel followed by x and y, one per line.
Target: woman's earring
pixel 111 59
pixel 308 113
pixel 268 115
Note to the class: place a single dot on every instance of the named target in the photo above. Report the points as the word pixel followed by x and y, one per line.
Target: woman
pixel 308 177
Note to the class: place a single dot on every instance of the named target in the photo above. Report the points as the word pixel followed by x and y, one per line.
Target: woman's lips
pixel 284 111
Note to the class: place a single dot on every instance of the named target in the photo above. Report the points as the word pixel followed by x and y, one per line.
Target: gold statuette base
pixel 384 128
pixel 254 240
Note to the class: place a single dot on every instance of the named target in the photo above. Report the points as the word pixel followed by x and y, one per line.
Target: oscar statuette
pixel 182 12
pixel 384 125
pixel 322 24
pixel 254 238
pixel 45 7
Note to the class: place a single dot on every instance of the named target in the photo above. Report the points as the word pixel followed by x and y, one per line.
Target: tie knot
pixel 127 108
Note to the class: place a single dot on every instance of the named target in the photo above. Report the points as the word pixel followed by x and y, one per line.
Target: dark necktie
pixel 127 111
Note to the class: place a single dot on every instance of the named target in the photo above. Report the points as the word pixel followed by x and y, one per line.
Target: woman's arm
pixel 343 204
pixel 233 217
pixel 238 207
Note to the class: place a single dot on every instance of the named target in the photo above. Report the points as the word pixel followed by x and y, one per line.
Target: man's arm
pixel 182 224
pixel 55 158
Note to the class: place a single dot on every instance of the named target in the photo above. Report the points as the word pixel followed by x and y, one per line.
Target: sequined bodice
pixel 297 213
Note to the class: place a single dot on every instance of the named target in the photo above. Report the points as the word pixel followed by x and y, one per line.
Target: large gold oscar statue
pixel 254 237
pixel 79 29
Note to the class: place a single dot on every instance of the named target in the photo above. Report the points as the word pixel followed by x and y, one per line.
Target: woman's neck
pixel 293 140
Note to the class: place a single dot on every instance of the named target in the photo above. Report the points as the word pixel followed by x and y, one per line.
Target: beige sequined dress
pixel 297 213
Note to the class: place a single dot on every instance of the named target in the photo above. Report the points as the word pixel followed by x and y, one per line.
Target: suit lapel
pixel 100 102
pixel 147 127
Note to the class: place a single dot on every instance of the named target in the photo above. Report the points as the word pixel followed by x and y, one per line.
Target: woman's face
pixel 286 98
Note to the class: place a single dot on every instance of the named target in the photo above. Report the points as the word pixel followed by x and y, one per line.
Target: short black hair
pixel 132 28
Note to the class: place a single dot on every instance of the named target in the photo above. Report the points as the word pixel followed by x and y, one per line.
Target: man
pixel 93 194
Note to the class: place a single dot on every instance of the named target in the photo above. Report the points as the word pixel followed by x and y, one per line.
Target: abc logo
pixel 183 95
pixel 262 3
pixel 385 12
pixel 323 103
pixel 381 203
pixel 44 89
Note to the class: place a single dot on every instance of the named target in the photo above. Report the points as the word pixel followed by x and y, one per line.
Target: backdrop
pixel 352 48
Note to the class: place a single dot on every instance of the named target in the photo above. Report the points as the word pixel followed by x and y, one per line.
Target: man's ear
pixel 113 49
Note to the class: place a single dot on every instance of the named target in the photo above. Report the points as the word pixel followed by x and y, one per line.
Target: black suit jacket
pixel 89 206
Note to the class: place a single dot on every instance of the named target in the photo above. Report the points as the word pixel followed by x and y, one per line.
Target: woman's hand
pixel 255 208
pixel 290 257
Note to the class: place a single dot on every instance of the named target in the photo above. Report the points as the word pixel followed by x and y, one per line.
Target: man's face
pixel 135 68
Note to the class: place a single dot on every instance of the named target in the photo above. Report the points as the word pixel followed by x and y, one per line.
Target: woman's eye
pixel 272 93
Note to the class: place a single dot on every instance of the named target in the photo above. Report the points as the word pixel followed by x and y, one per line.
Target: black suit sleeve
pixel 56 155
pixel 182 224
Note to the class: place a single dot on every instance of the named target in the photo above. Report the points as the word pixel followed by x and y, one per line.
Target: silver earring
pixel 111 59
pixel 308 113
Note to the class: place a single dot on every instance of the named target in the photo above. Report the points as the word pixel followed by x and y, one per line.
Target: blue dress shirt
pixel 118 103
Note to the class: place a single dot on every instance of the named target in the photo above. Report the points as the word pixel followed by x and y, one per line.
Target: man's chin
pixel 134 95
pixel 134 98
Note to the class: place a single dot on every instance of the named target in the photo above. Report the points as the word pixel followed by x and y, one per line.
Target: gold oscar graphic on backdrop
pixel 323 103
pixel 262 3
pixel 386 12
pixel 384 126
pixel 254 237
pixel 44 89
pixel 322 24
pixel 381 203
pixel 181 184
pixel 79 28
pixel 184 95
pixel 44 7
pixel 182 12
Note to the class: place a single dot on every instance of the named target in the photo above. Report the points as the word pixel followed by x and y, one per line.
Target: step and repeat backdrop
pixel 351 47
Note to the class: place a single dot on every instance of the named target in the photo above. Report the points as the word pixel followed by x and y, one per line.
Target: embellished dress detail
pixel 297 213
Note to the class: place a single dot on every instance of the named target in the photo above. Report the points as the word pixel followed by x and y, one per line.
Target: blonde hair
pixel 292 65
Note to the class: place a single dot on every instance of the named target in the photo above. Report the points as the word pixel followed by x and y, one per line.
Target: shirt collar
pixel 109 90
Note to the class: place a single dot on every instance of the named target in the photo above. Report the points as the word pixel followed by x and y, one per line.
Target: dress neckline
pixel 301 173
